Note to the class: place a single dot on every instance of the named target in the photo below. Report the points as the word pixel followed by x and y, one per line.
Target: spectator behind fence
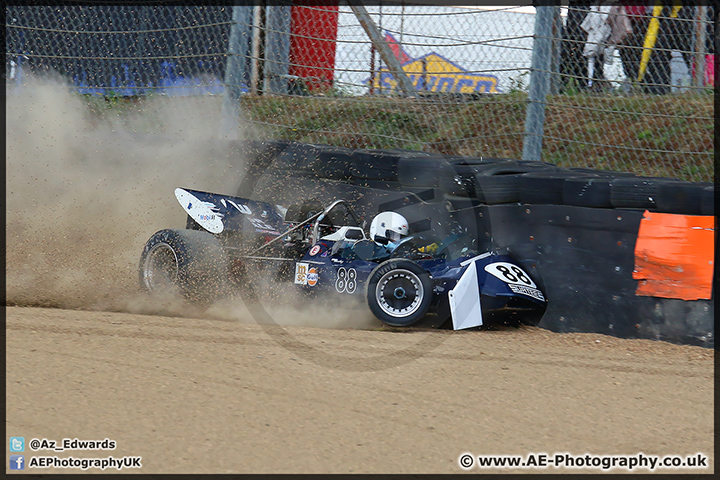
pixel 674 32
pixel 573 65
pixel 590 37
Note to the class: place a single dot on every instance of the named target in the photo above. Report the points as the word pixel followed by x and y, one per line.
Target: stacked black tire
pixel 286 172
pixel 471 181
pixel 293 168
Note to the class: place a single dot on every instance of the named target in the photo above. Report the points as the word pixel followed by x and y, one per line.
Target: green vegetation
pixel 666 136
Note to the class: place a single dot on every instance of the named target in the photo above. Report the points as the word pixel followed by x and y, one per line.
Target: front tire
pixel 399 292
pixel 188 263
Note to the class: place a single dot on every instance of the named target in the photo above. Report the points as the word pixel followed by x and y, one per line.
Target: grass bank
pixel 666 136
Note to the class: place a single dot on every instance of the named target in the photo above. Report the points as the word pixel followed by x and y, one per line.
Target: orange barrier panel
pixel 674 256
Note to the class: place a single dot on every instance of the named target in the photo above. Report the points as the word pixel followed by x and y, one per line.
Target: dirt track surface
pixel 216 396
pixel 218 393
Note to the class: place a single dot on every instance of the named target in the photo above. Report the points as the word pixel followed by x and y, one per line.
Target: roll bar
pixel 319 216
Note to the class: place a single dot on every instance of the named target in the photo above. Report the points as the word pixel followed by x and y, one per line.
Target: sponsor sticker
pixel 301 273
pixel 240 207
pixel 312 277
pixel 314 250
pixel 262 227
pixel 204 213
pixel 523 290
pixel 432 72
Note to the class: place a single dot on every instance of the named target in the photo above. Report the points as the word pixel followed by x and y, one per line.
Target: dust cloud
pixel 86 190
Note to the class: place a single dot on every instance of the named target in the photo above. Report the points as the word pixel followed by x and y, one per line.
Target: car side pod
pixel 464 299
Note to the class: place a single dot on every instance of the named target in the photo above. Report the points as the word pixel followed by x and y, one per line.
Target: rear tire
pixel 399 292
pixel 188 263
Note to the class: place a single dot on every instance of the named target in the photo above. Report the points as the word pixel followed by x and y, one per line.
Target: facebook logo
pixel 17 462
pixel 17 444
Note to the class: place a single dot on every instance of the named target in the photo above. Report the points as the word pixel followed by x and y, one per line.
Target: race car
pixel 402 275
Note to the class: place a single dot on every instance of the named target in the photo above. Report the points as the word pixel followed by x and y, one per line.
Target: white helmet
pixel 390 225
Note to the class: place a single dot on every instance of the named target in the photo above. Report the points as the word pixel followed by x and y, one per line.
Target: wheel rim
pixel 399 293
pixel 160 271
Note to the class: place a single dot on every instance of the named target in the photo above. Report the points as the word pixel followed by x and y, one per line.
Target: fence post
pixel 700 39
pixel 393 64
pixel 557 38
pixel 235 68
pixel 277 49
pixel 539 82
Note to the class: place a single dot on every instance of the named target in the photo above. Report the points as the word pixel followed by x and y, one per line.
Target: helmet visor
pixel 393 236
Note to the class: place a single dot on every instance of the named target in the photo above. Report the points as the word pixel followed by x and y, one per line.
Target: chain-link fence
pixel 609 87
pixel 120 50
pixel 634 90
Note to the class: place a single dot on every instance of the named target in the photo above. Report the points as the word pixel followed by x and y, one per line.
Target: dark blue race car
pixel 403 276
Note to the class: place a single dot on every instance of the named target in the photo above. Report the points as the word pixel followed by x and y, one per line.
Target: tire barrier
pixel 297 157
pixel 374 165
pixel 493 181
pixel 545 186
pixel 416 171
pixel 683 197
pixel 256 157
pixel 637 192
pixel 334 164
pixel 588 258
pixel 587 192
pixel 707 203
pixel 617 254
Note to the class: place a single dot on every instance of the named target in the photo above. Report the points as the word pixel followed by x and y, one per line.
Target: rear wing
pixel 217 213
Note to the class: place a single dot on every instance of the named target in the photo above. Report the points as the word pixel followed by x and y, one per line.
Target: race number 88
pixel 509 273
pixel 346 280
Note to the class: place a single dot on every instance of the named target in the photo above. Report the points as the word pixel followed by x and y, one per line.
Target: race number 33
pixel 509 273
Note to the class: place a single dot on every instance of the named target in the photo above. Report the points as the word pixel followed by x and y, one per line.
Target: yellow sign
pixel 433 73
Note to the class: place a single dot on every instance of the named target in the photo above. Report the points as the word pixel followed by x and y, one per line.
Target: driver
pixel 389 229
